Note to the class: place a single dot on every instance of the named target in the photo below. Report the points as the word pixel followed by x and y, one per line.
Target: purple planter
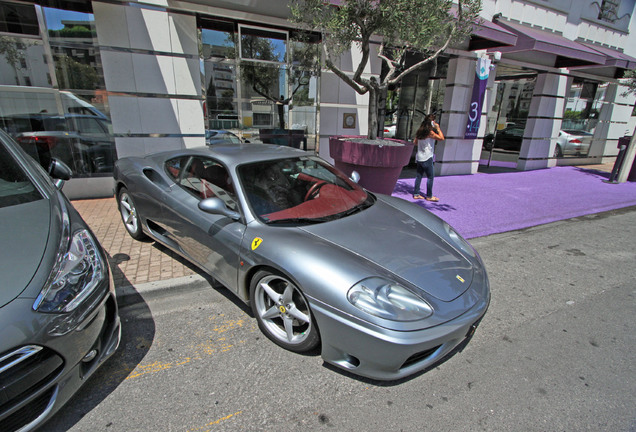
pixel 379 166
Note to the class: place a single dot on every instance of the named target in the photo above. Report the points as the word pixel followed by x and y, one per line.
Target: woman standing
pixel 425 138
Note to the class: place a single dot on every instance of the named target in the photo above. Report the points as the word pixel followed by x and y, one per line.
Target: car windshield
pixel 15 185
pixel 300 191
pixel 215 137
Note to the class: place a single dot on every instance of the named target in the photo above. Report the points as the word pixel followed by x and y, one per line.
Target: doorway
pixel 507 117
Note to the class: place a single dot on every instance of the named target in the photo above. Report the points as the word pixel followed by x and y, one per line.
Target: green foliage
pixel 400 26
pixel 630 82
pixel 72 74
pixel 76 31
pixel 13 49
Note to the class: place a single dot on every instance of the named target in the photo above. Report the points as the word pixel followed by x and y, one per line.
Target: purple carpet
pixel 483 204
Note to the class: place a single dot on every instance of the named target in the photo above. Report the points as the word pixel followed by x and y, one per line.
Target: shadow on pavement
pixel 137 336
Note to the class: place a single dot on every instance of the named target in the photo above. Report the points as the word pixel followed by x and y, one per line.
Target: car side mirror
pixel 355 177
pixel 217 206
pixel 60 172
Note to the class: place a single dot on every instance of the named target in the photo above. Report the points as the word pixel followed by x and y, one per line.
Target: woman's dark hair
pixel 425 128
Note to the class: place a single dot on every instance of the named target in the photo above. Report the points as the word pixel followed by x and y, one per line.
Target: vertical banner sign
pixel 477 100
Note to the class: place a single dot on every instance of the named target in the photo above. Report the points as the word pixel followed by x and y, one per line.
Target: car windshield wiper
pixel 299 220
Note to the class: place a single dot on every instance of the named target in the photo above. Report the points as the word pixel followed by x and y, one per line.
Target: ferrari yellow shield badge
pixel 256 242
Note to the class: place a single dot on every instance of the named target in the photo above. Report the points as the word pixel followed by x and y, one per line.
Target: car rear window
pixel 15 185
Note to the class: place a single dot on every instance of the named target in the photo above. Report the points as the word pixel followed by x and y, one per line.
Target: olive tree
pixel 400 27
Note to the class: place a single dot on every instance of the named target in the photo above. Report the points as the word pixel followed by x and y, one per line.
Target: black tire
pixel 557 151
pixel 129 215
pixel 282 312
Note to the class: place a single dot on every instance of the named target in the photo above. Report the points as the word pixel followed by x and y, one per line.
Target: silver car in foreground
pixel 58 313
pixel 383 287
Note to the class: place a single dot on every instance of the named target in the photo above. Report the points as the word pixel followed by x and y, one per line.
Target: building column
pixel 544 122
pixel 457 155
pixel 613 123
pixel 152 72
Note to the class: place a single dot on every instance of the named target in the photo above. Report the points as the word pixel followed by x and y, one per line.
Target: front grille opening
pixel 27 413
pixel 417 357
pixel 29 376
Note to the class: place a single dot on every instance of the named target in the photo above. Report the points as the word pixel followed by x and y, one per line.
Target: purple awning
pixel 614 58
pixel 567 52
pixel 487 34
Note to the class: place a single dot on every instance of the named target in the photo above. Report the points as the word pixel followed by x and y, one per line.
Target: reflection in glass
pixel 266 89
pixel 219 52
pixel 18 18
pixel 260 44
pixel 73 40
pixel 22 62
pixel 580 118
pixel 218 40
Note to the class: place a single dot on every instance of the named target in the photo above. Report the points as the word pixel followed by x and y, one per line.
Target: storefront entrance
pixel 507 117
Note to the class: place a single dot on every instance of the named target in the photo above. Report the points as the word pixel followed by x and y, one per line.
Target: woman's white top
pixel 425 149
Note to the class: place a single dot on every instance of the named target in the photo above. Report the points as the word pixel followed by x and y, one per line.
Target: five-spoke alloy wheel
pixel 129 215
pixel 282 312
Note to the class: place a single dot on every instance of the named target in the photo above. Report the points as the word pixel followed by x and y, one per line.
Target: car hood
pixel 24 234
pixel 404 246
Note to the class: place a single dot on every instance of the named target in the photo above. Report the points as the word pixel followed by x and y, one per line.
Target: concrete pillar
pixel 613 122
pixel 458 155
pixel 544 122
pixel 152 72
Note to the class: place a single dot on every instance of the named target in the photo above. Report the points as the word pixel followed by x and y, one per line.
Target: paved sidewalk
pixel 132 262
pixel 142 266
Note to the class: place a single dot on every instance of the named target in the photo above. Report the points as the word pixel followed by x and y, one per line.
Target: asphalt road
pixel 555 352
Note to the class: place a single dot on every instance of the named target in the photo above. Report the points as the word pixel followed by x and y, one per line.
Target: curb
pixel 130 294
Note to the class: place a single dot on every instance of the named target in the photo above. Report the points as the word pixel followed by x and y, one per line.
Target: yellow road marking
pixel 215 422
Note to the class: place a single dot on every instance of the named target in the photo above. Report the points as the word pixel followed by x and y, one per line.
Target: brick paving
pixel 132 262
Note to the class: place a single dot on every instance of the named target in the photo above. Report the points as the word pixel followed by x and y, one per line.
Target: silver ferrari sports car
pixel 382 286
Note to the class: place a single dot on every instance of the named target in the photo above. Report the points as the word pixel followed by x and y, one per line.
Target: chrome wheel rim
pixel 128 213
pixel 283 310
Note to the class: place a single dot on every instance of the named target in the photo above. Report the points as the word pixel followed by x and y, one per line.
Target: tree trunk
pixel 382 109
pixel 373 113
pixel 429 97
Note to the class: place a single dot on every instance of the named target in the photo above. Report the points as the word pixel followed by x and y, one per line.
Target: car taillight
pixel 575 141
pixel 40 141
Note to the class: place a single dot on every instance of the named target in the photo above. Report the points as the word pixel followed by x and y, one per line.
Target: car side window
pixel 205 178
pixel 174 166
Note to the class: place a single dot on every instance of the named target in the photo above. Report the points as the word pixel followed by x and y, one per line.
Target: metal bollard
pixel 617 164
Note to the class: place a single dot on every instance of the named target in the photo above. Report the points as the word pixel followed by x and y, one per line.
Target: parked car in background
pixel 83 142
pixel 381 285
pixel 58 312
pixel 573 142
pixel 389 131
pixel 216 136
pixel 509 138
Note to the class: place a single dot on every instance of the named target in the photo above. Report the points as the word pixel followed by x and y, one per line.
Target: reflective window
pixel 219 63
pixel 420 93
pixel 18 18
pixel 262 44
pixel 261 84
pixel 582 109
pixel 15 185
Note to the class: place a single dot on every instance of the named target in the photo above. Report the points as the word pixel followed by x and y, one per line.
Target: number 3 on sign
pixel 473 111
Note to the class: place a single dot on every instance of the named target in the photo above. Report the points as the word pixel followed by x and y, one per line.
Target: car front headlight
pixel 388 300
pixel 78 271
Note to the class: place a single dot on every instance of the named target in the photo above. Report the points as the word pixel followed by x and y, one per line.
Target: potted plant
pixel 426 27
